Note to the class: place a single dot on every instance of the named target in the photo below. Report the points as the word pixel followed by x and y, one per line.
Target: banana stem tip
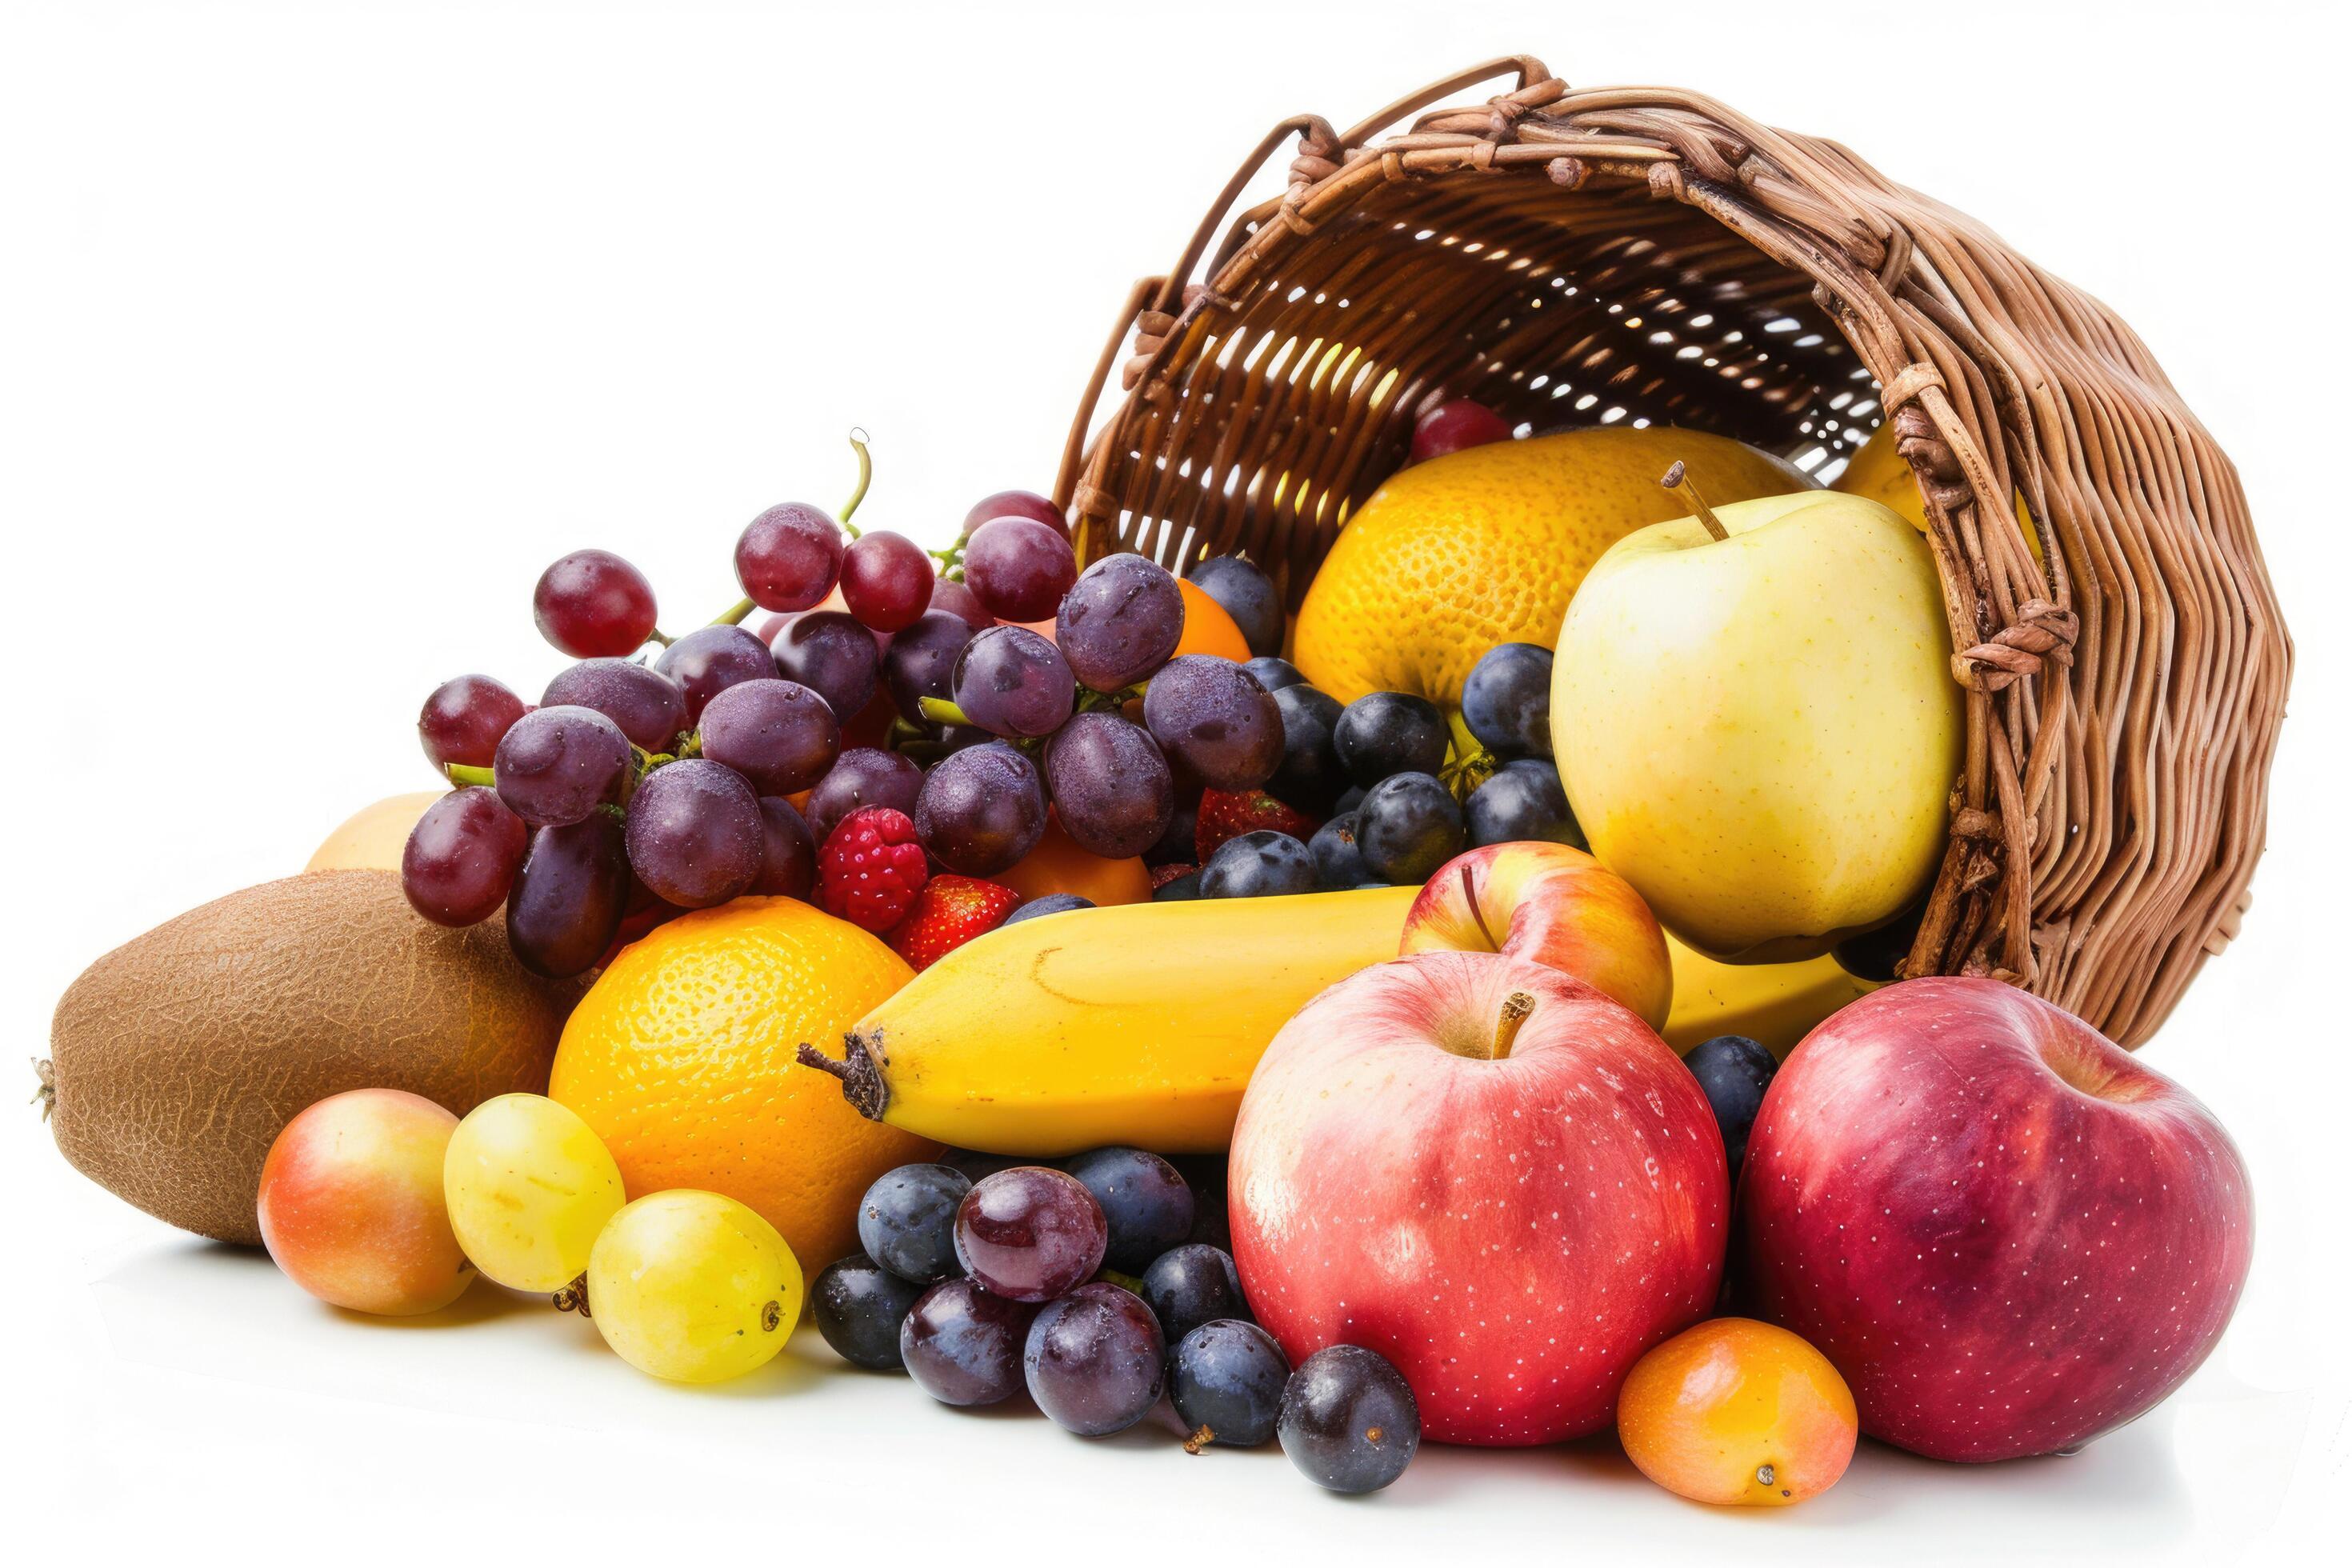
pixel 861 1078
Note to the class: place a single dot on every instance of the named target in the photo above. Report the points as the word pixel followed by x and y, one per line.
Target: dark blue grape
pixel 1384 733
pixel 1274 674
pixel 1260 864
pixel 1349 1420
pixel 1094 1360
pixel 1309 777
pixel 1521 803
pixel 1407 827
pixel 1506 701
pixel 1245 593
pixel 1178 889
pixel 1733 1071
pixel 1339 862
pixel 1180 845
pixel 1119 622
pixel 1047 904
pixel 1147 1205
pixel 962 1346
pixel 859 1307
pixel 1191 1285
pixel 905 1222
pixel 1226 1381
pixel 1874 954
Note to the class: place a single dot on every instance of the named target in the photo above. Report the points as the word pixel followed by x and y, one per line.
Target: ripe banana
pixel 1774 1004
pixel 1134 1024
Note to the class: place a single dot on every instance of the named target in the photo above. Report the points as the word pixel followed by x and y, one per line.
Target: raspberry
pixel 872 868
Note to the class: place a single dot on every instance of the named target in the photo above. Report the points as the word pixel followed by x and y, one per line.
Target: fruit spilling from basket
pixel 1297 998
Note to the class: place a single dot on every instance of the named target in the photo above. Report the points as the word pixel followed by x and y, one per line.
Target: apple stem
pixel 1678 480
pixel 1516 1008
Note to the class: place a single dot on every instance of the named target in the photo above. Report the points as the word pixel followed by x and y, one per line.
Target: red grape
pixel 1019 568
pixel 1015 503
pixel 1011 681
pixel 706 660
pixel 1121 621
pixel 1213 720
pixel 593 604
pixel 461 856
pixel 789 557
pixel 1030 1234
pixel 921 662
pixel 1456 426
pixel 787 854
pixel 568 898
pixel 464 719
pixel 1094 1360
pixel 962 1346
pixel 886 580
pixel 980 809
pixel 1110 786
pixel 646 705
pixel 832 655
pixel 953 596
pixel 557 764
pixel 778 734
pixel 696 836
pixel 863 776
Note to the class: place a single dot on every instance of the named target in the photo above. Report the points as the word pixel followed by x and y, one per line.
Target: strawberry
pixel 1229 813
pixel 950 911
pixel 1163 875
pixel 871 869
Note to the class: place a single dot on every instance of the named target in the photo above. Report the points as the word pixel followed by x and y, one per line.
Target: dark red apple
pixel 1491 1174
pixel 2006 1233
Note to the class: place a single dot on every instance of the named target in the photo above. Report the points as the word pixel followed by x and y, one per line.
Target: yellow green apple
pixel 1756 720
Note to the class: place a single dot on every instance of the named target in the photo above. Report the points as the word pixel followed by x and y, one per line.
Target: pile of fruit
pixel 1131 998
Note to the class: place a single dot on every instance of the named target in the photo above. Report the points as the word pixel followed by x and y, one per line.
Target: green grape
pixel 693 1286
pixel 529 1185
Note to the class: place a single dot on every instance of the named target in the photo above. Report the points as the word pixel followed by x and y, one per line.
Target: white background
pixel 323 327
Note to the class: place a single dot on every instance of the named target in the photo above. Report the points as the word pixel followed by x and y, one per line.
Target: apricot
pixel 1734 1411
pixel 352 1207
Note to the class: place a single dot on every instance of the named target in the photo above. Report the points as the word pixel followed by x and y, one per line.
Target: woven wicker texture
pixel 1582 256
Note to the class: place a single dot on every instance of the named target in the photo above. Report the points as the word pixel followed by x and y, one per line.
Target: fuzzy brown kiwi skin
pixel 177 1057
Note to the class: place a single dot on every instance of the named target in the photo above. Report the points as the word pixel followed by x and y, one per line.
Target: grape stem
pixel 734 617
pixel 463 774
pixel 1473 764
pixel 573 1298
pixel 660 637
pixel 939 710
pixel 1200 1439
pixel 857 439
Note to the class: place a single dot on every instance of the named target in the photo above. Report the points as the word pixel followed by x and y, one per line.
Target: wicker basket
pixel 1584 255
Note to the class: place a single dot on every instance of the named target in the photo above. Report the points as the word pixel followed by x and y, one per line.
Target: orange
pixel 1734 1411
pixel 1059 865
pixel 1455 555
pixel 1207 627
pixel 680 1057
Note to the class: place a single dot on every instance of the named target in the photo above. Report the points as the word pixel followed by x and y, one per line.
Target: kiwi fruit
pixel 176 1058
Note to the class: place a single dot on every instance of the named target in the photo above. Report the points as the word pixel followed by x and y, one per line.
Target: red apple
pixel 2008 1234
pixel 1489 1172
pixel 1554 906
